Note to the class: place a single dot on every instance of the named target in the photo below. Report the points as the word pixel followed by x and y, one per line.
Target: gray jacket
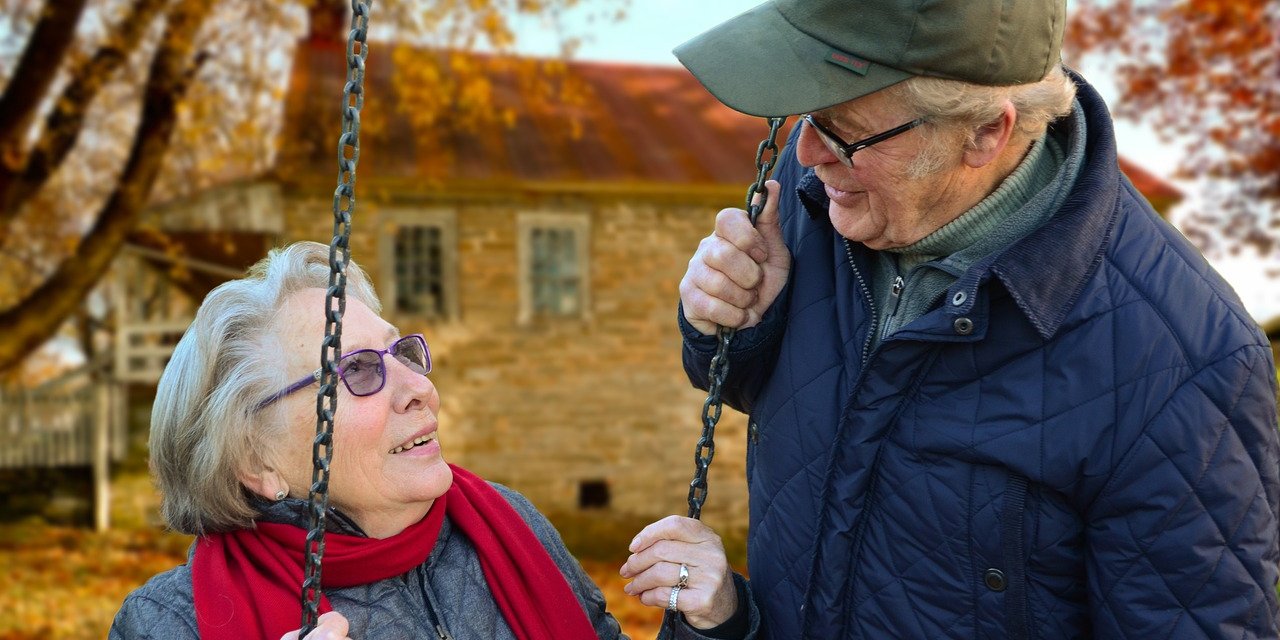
pixel 449 590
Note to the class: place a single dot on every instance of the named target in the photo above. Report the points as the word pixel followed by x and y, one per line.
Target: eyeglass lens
pixel 834 147
pixel 365 373
pixel 412 351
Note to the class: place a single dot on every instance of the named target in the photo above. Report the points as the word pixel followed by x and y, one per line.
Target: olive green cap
pixel 795 56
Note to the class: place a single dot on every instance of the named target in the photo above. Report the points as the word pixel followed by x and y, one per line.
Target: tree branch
pixel 47 45
pixel 65 121
pixel 37 317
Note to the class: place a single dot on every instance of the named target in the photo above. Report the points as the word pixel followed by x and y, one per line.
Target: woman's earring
pixel 280 495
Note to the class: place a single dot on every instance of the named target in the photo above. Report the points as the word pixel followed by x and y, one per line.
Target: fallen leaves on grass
pixel 68 583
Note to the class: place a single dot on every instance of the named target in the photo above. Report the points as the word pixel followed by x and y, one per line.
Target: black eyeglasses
pixel 364 371
pixel 844 152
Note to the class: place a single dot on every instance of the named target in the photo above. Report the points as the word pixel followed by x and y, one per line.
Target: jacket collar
pixel 1046 271
pixel 294 511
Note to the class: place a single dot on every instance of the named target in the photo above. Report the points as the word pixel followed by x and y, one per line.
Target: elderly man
pixel 991 393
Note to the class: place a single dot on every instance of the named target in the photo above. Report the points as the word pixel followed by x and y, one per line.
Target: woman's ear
pixel 263 480
pixel 991 139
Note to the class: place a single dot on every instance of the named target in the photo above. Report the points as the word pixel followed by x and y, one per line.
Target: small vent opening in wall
pixel 593 494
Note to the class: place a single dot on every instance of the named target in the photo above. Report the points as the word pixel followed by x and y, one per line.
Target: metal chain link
pixel 706 448
pixel 711 409
pixel 344 205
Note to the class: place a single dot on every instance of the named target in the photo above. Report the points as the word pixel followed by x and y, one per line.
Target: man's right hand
pixel 738 270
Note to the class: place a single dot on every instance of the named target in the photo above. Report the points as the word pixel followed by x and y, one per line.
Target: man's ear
pixel 991 139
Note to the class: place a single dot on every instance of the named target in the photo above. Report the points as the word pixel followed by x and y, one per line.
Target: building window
pixel 419 270
pixel 554 276
pixel 553 259
pixel 419 264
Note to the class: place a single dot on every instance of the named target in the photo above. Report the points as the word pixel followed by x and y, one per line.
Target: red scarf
pixel 248 583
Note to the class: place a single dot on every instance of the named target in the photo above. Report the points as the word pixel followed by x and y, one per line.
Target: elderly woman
pixel 415 547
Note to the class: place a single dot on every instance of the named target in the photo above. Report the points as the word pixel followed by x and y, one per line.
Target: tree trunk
pixel 37 317
pixel 49 40
pixel 20 179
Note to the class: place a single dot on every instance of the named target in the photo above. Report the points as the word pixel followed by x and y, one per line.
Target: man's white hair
pixel 956 110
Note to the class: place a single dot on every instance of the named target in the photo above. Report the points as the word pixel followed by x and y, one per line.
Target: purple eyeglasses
pixel 364 371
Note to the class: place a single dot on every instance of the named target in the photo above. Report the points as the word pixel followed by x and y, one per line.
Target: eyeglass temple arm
pixel 305 382
pixel 900 129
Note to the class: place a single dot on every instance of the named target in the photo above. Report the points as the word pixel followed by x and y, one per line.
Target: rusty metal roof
pixel 634 124
pixel 638 125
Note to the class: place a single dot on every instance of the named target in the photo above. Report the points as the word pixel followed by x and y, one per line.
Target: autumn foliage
pixel 1205 73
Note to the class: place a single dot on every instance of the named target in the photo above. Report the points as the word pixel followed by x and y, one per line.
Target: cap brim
pixel 760 64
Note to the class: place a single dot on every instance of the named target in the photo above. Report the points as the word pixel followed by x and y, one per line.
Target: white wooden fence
pixel 70 421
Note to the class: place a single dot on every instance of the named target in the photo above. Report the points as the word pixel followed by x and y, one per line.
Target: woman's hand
pixel 709 597
pixel 329 626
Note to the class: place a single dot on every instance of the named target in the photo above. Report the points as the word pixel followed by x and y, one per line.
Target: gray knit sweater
pixel 448 589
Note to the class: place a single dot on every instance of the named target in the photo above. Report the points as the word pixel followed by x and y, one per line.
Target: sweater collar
pixel 980 230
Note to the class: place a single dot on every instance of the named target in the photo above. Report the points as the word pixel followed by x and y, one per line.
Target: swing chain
pixel 344 205
pixel 706 448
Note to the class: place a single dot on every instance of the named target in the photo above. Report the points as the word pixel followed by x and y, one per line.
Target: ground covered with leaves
pixel 67 582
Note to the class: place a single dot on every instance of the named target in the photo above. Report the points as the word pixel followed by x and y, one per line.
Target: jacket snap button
pixel 959 298
pixel 994 579
pixel 963 326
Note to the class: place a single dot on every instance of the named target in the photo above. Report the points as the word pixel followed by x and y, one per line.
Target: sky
pixel 652 28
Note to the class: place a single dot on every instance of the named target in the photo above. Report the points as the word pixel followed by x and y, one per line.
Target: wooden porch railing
pixel 71 421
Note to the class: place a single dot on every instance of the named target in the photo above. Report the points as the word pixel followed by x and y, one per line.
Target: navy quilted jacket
pixel 1079 441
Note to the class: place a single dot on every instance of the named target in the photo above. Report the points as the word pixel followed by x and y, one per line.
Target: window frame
pixel 395 219
pixel 579 224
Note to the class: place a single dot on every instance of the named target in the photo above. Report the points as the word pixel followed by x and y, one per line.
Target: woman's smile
pixel 420 446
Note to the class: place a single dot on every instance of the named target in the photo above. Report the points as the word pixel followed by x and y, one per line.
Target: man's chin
pixel 849 222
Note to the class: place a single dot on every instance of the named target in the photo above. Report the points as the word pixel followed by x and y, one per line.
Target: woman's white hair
pixel 205 426
pixel 957 110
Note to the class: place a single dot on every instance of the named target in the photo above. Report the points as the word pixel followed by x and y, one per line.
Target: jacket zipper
pixel 866 295
pixel 433 609
pixel 895 295
pixel 805 611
